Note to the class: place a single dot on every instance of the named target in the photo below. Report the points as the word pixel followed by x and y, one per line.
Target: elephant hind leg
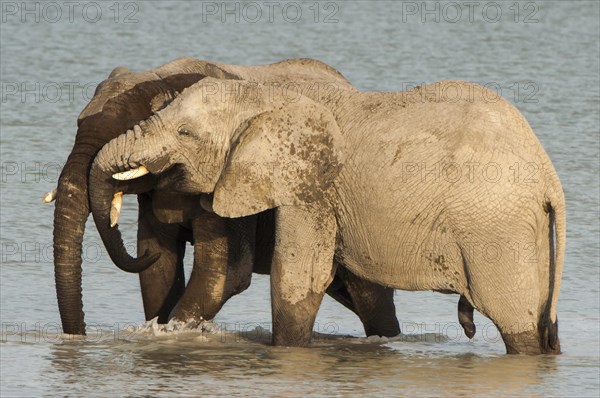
pixel 373 303
pixel 465 316
pixel 517 325
pixel 507 292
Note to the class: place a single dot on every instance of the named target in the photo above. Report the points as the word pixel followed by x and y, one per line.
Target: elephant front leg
pixel 223 260
pixel 164 282
pixel 301 271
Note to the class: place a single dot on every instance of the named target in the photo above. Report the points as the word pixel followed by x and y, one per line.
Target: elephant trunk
pixel 102 190
pixel 70 214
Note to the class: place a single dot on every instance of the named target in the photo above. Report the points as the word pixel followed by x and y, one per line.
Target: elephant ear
pixel 284 157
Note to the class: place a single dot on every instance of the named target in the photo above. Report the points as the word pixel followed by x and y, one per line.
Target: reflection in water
pixel 195 362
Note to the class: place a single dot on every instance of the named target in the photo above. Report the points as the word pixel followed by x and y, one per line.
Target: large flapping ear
pixel 284 157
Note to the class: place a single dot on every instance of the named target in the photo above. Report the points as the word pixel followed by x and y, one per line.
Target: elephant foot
pixel 522 343
pixel 293 324
pixel 530 342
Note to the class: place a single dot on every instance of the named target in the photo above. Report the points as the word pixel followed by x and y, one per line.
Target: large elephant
pixel 122 101
pixel 416 190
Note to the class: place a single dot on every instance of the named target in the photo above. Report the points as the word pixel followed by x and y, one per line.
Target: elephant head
pixel 119 103
pixel 242 142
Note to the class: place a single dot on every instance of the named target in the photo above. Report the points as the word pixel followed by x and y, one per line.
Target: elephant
pixel 397 187
pixel 119 103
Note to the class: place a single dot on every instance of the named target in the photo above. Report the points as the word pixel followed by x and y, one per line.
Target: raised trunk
pixel 102 190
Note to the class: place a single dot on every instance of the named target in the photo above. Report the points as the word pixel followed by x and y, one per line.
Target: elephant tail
pixel 555 206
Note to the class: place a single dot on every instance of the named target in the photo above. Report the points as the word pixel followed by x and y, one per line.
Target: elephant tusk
pixel 115 208
pixel 131 174
pixel 50 196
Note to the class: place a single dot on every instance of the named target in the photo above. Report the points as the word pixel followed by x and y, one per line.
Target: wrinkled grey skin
pixel 355 196
pixel 166 220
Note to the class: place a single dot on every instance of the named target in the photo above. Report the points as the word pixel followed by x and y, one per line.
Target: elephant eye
pixel 184 131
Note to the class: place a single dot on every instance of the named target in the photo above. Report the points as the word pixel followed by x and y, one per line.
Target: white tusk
pixel 115 208
pixel 50 196
pixel 131 174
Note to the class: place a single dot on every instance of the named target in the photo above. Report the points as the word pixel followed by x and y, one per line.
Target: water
pixel 543 56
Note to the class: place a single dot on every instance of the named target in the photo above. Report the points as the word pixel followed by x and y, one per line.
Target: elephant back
pixel 292 71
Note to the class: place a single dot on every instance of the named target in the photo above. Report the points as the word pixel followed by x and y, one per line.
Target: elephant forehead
pixel 113 87
pixel 193 102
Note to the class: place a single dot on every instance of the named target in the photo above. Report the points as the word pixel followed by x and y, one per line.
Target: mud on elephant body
pixel 353 201
pixel 119 103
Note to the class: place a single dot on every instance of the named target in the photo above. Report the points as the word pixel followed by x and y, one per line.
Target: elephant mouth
pixel 153 167
pixel 169 177
pixel 117 202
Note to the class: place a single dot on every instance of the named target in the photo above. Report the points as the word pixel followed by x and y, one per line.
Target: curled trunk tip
pixel 137 265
